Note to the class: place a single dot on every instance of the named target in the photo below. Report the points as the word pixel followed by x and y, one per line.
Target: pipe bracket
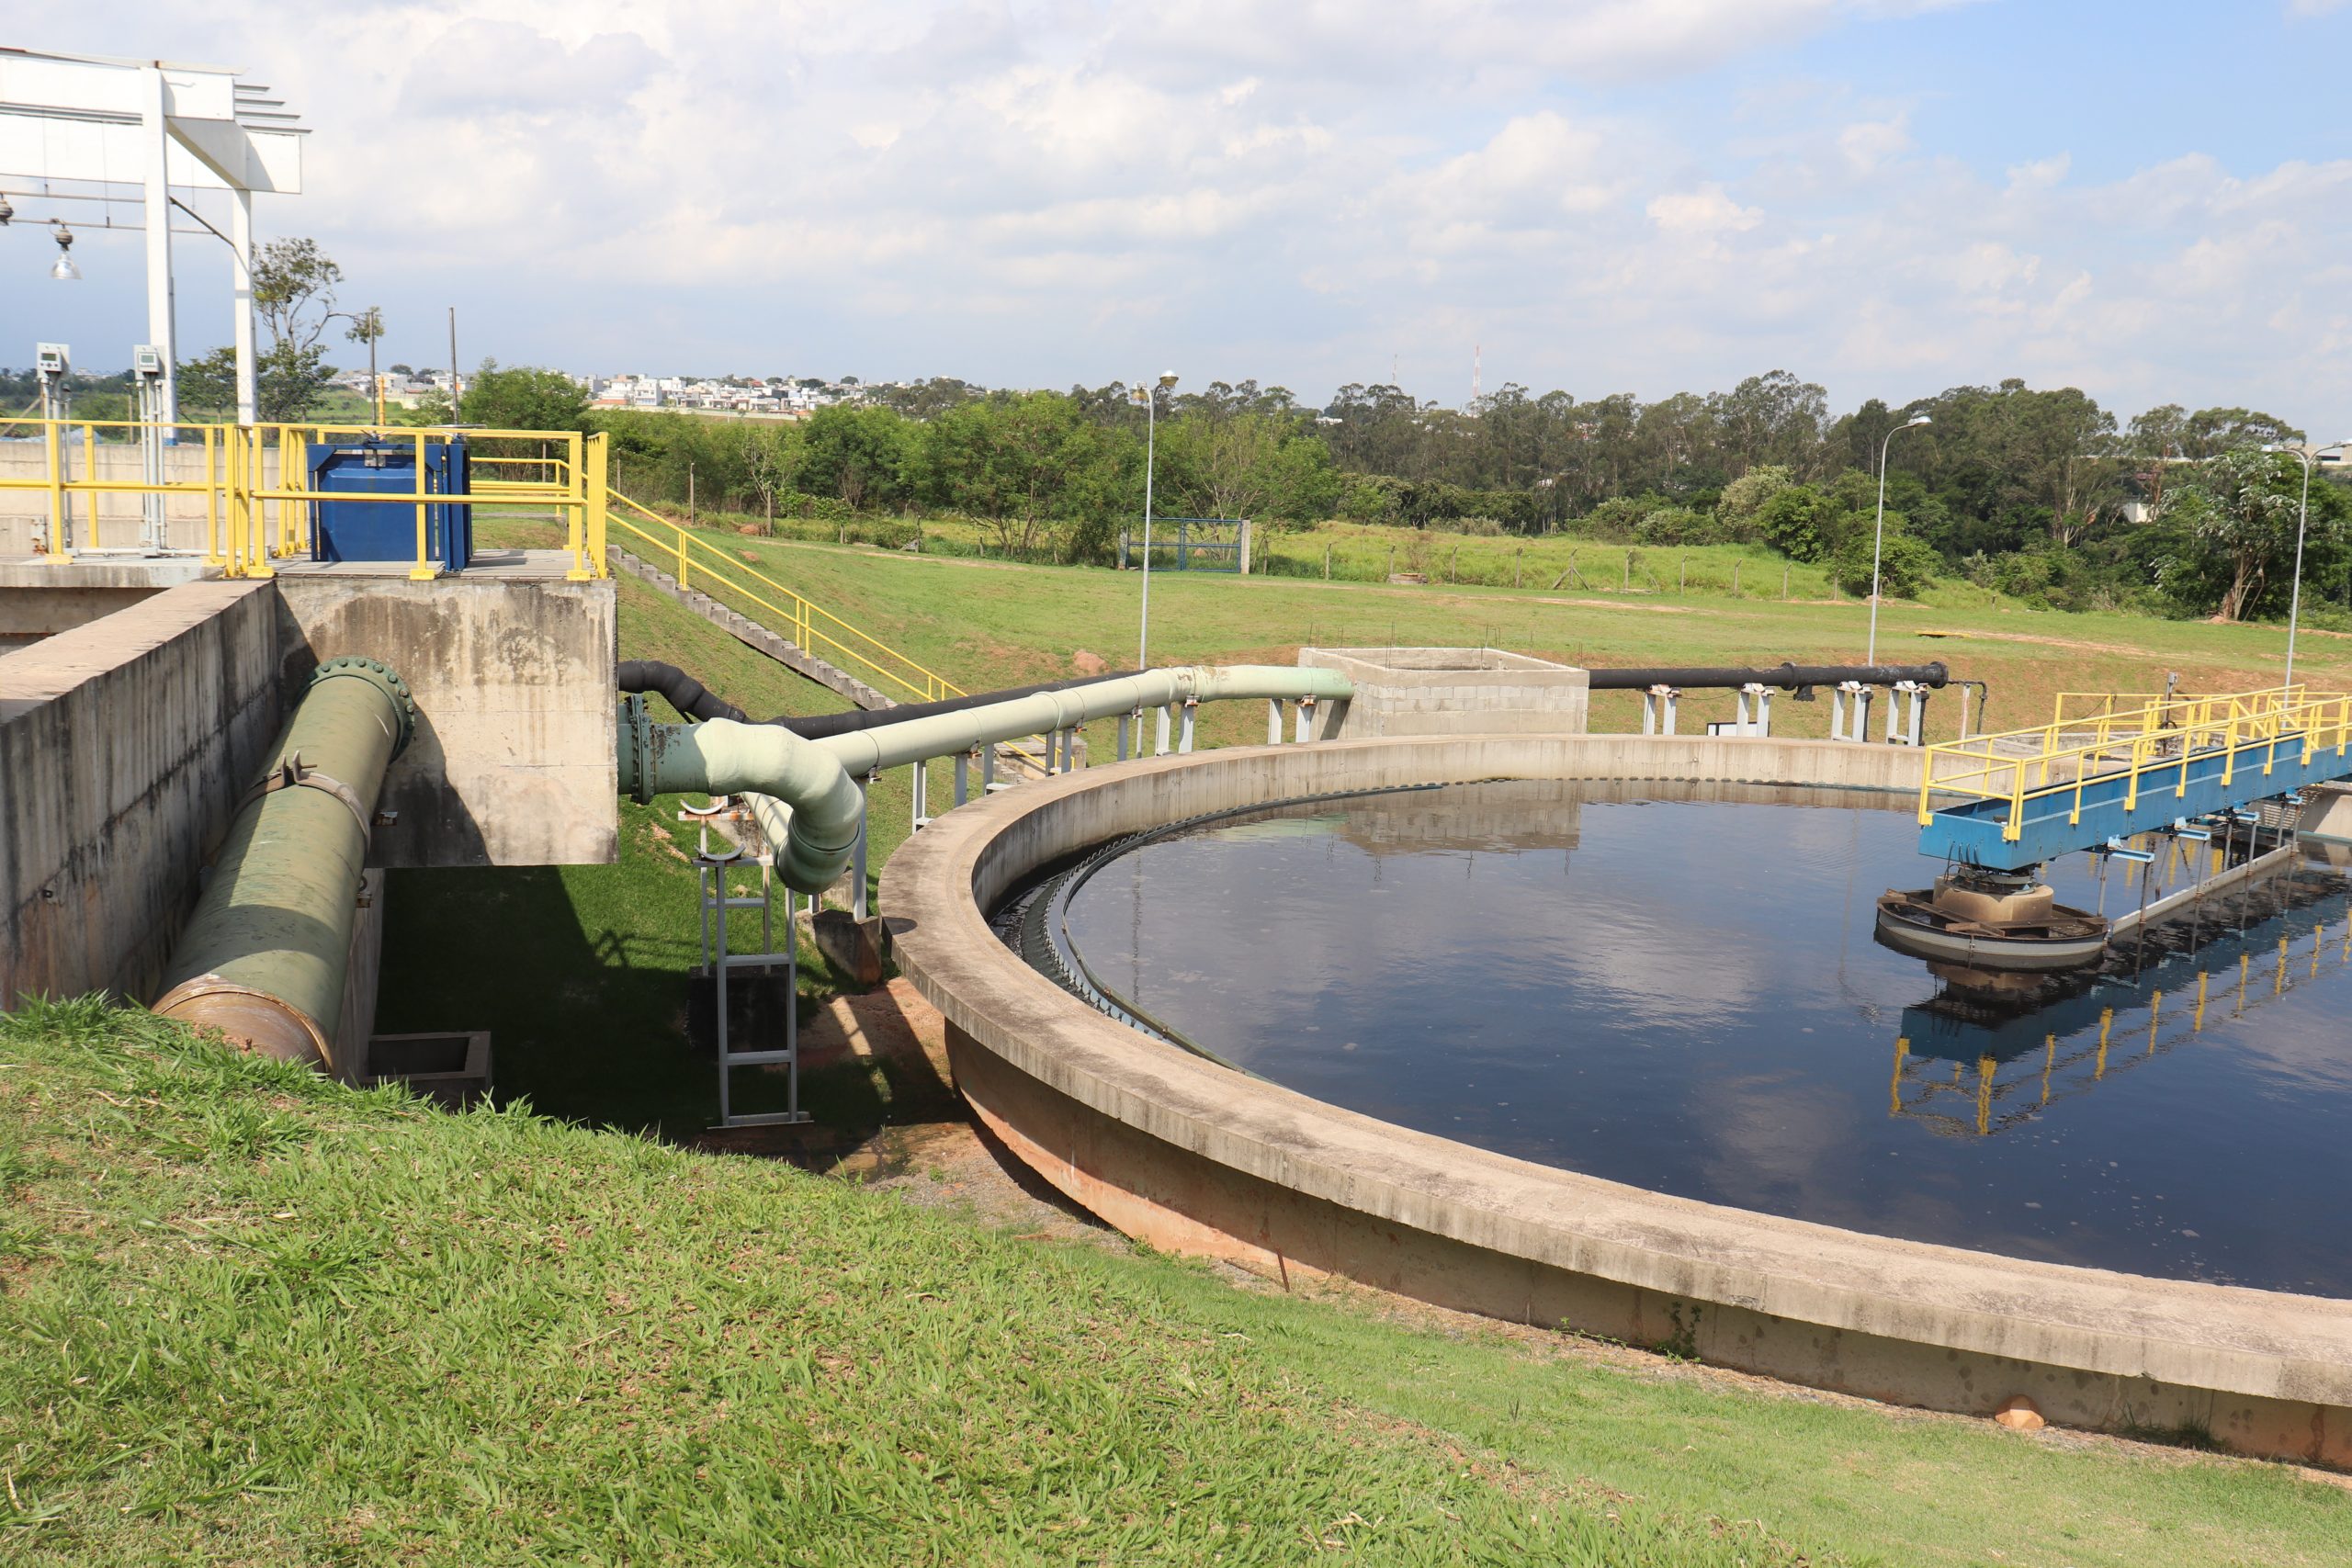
pixel 292 774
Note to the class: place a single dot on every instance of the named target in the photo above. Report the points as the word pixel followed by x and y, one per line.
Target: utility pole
pixel 457 387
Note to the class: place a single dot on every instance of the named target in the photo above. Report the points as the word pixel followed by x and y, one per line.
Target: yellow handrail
pixel 244 531
pixel 251 521
pixel 799 616
pixel 2149 746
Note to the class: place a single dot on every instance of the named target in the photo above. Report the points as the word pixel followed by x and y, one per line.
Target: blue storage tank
pixel 384 531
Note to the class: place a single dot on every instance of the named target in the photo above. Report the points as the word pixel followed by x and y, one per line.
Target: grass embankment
pixel 247 1316
pixel 1026 622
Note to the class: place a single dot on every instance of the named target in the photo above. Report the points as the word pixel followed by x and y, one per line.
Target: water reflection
pixel 1677 988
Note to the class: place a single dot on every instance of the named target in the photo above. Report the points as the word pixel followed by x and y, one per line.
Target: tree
pixel 1228 464
pixel 1742 498
pixel 861 455
pixel 2241 510
pixel 524 398
pixel 294 296
pixel 1797 521
pixel 288 382
pixel 1026 464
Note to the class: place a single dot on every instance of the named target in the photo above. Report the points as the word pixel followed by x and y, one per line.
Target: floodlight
pixel 63 270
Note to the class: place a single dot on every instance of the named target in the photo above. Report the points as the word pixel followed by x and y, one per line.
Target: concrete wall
pixel 513 763
pixel 1453 690
pixel 123 743
pixel 29 614
pixel 1173 1149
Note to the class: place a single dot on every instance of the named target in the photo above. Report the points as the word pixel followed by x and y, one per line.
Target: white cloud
pixel 1706 211
pixel 1037 191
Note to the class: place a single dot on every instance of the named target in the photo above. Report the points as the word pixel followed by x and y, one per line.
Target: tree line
pixel 2039 493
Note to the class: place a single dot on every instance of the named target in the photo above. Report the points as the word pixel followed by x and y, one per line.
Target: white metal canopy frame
pixel 88 120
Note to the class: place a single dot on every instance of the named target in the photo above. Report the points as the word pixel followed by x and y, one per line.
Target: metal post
pixel 1125 719
pixel 921 793
pixel 241 275
pixel 988 769
pixel 1184 741
pixel 1305 728
pixel 1273 721
pixel 857 853
pixel 963 776
pixel 1657 710
pixel 1160 731
pixel 155 138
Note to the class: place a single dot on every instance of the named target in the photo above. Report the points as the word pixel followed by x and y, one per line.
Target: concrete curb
pixel 1191 1157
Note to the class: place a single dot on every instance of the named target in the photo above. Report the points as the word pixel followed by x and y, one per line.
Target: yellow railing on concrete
pixel 252 519
pixel 2151 745
pixel 252 489
pixel 698 563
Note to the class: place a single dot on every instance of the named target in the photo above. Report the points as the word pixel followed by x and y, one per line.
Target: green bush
pixel 1907 567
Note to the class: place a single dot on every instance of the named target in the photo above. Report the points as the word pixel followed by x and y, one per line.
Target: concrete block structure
pixel 125 743
pixel 511 667
pixel 1453 690
pixel 129 735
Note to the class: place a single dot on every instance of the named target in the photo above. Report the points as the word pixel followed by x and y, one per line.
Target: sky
pixel 2146 201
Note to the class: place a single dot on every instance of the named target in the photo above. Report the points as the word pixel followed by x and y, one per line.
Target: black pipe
pixel 686 694
pixel 1787 677
pixel 690 698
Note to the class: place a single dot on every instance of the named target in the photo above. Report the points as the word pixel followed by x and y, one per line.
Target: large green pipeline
pixel 812 804
pixel 262 957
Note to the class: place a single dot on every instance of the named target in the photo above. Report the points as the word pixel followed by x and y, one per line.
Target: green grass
pixel 247 1316
pixel 994 622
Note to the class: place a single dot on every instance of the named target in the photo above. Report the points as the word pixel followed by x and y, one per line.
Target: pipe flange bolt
pixel 381 675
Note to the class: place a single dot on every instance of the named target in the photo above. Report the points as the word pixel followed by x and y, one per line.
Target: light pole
pixel 1149 398
pixel 367 326
pixel 2309 456
pixel 1878 540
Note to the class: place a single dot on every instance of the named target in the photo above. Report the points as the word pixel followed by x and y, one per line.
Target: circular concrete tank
pixel 1193 1157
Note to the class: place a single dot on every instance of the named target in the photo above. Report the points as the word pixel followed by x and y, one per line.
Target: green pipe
pixel 262 957
pixel 805 794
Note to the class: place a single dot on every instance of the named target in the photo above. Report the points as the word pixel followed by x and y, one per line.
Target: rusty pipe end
pixel 252 1020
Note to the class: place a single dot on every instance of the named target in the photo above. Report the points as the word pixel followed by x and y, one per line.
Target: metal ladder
pixel 711 868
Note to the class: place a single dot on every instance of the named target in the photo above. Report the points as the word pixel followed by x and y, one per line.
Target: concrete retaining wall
pixel 1173 1149
pixel 123 743
pixel 513 762
pixel 1450 691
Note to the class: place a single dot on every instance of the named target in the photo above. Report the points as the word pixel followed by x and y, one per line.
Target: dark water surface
pixel 1684 994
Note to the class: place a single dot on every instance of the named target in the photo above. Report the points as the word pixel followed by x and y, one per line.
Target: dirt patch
pixel 1616 604
pixel 1089 663
pixel 2122 649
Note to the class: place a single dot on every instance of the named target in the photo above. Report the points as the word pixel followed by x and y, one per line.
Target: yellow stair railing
pixel 696 563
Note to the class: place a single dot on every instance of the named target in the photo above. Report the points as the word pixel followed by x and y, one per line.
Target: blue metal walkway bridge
pixel 2012 800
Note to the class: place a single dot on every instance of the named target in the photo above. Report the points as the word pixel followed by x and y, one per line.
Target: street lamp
pixel 1149 398
pixel 63 269
pixel 367 326
pixel 2308 455
pixel 1878 540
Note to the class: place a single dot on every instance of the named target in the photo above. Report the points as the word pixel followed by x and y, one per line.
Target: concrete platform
pixel 1175 1150
pixel 496 566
